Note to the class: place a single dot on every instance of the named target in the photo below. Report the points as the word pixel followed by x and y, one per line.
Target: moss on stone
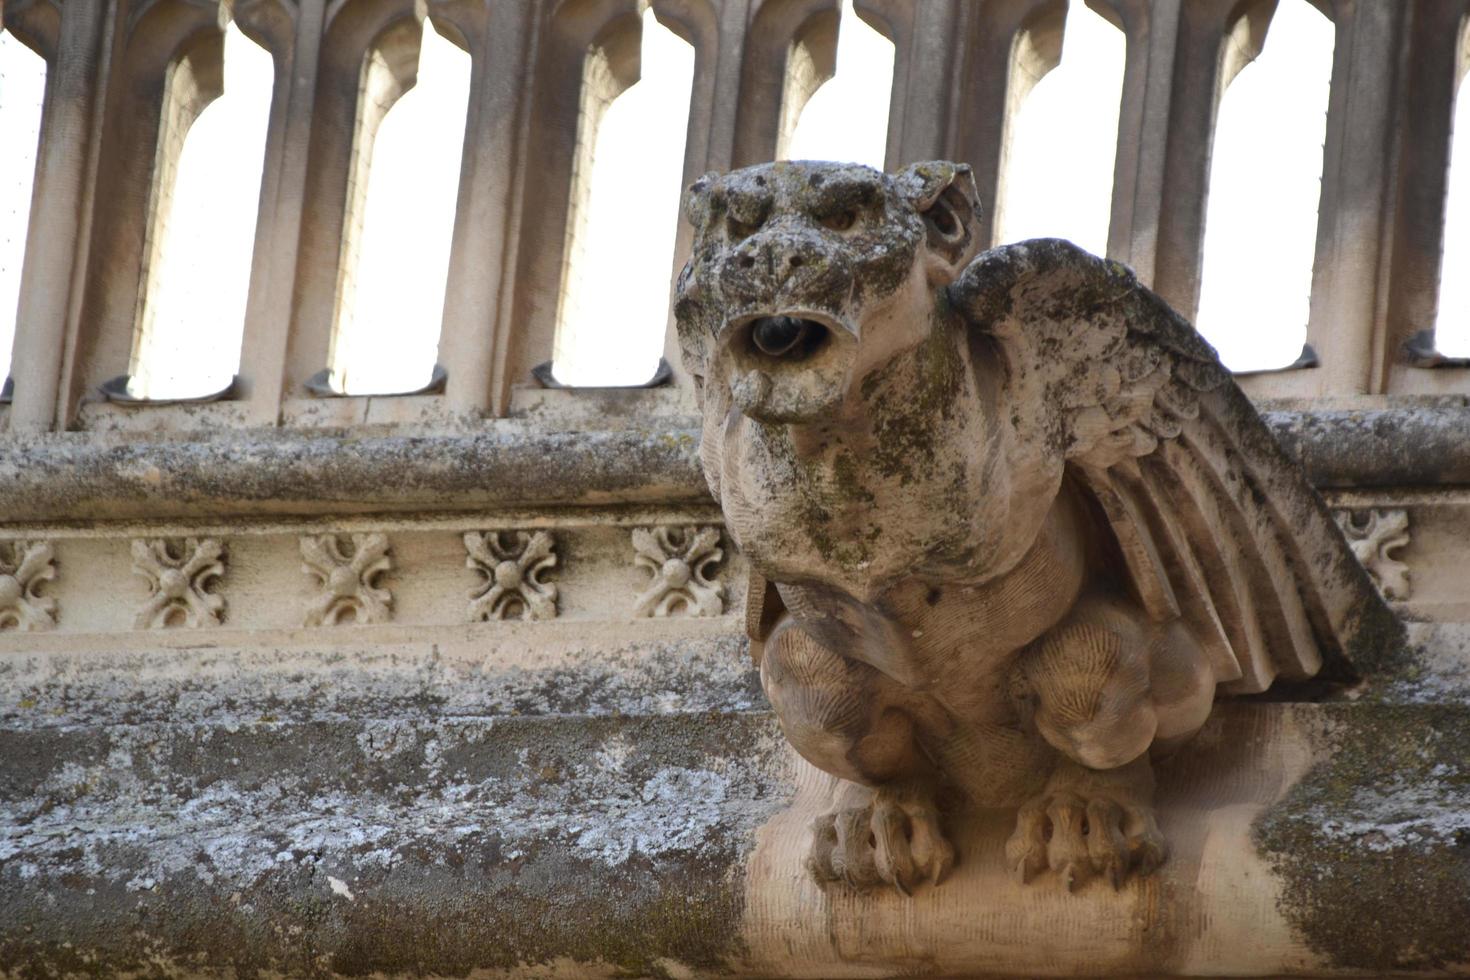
pixel 650 915
pixel 1374 844
pixel 909 396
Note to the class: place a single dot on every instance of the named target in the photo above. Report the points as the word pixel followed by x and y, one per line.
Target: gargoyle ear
pixel 697 200
pixel 944 195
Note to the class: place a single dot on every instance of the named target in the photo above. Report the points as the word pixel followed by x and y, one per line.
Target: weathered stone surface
pixel 330 676
pixel 407 845
pixel 1406 445
pixel 411 844
pixel 1373 844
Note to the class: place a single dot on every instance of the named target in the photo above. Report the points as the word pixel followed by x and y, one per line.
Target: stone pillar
pixel 56 249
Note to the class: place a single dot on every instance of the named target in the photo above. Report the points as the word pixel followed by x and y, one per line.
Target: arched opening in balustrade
pixel 203 205
pixel 1065 92
pixel 623 210
pixel 1452 319
pixel 402 195
pixel 1265 180
pixel 22 92
pixel 839 78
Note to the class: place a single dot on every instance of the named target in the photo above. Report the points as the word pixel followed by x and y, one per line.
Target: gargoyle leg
pixel 1108 684
pixel 850 720
pixel 1108 687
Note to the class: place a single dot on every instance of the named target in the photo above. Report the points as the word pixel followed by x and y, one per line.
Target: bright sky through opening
pixel 1265 173
pixel 194 315
pixel 847 117
pixel 387 333
pixel 1059 165
pixel 1265 184
pixel 614 305
pixel 22 88
pixel 1452 331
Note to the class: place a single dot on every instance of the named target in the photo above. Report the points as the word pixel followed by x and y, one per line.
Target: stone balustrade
pixel 101 164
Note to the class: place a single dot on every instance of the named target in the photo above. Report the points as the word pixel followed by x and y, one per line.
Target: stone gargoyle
pixel 1013 525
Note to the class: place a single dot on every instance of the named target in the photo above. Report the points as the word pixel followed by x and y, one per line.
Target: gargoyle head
pixel 806 275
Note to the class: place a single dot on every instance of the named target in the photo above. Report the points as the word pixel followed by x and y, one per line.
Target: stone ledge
pixel 507 669
pixel 514 464
pixel 72 477
pixel 406 846
pixel 1377 448
pixel 1307 840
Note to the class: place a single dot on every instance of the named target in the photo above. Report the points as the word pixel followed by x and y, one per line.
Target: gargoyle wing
pixel 1213 521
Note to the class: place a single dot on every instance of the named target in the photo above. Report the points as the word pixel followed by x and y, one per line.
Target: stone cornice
pixel 83 477
pixel 1420 446
pixel 74 477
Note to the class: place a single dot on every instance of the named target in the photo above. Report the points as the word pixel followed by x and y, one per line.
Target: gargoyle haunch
pixel 1013 524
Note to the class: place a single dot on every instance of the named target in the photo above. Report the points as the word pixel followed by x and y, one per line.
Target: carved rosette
pixel 1374 535
pixel 512 563
pixel 179 574
pixel 24 567
pixel 348 577
pixel 682 562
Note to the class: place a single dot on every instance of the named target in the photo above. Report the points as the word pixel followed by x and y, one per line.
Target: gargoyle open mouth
pixel 788 366
pixel 787 337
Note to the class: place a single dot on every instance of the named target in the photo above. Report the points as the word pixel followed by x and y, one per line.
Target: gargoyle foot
pixel 1088 822
pixel 894 839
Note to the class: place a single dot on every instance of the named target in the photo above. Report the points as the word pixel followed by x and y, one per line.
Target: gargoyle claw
pixel 895 840
pixel 1102 836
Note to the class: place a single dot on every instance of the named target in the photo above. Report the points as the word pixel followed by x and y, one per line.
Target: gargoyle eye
pixel 840 220
pixel 947 219
pixel 740 230
pixel 943 220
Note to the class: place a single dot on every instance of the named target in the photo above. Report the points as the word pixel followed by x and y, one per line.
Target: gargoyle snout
pixel 787 343
pixel 774 258
pixel 789 262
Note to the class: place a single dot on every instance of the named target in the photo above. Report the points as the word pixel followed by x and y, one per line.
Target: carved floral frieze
pixel 682 561
pixel 179 574
pixel 1374 535
pixel 349 576
pixel 24 567
pixel 512 564
pixel 516 572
